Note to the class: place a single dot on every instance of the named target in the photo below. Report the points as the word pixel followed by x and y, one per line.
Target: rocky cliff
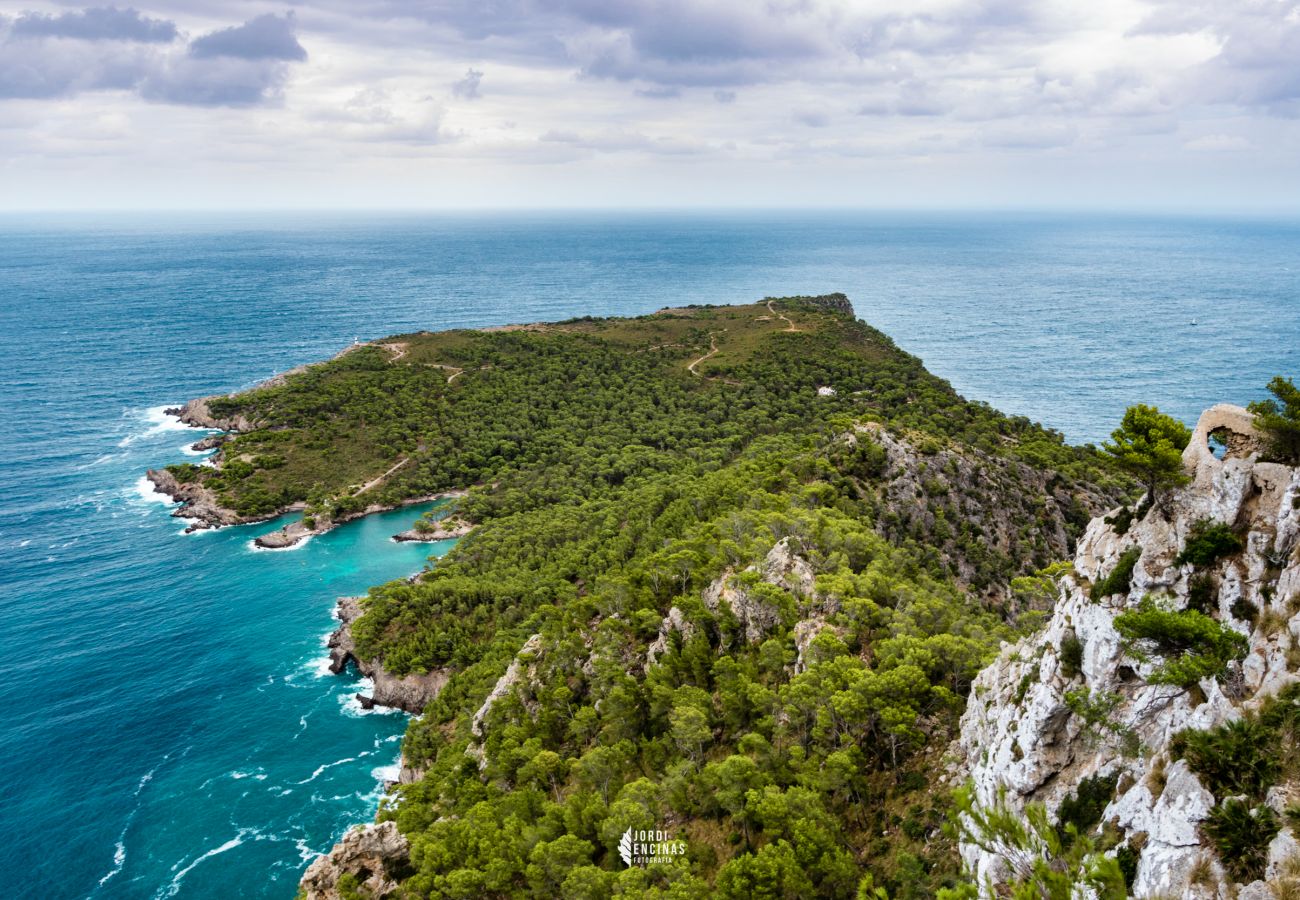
pixel 411 693
pixel 1085 704
pixel 368 862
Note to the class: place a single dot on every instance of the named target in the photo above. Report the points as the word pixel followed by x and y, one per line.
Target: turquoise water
pixel 164 726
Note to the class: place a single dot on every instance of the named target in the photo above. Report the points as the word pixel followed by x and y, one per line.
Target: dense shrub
pixel 1120 578
pixel 1081 811
pixel 1208 542
pixel 1071 655
pixel 1194 645
pixel 1200 593
pixel 1241 834
pixel 1237 758
pixel 1128 856
pixel 1279 421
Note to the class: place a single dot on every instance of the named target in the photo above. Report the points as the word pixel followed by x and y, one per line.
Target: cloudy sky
pixel 1124 104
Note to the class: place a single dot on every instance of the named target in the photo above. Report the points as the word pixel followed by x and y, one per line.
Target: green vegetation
pixel 629 487
pixel 1238 762
pixel 1047 864
pixel 1193 645
pixel 1278 419
pixel 579 409
pixel 1081 812
pixel 1207 543
pixel 1236 758
pixel 1120 578
pixel 1241 834
pixel 1071 656
pixel 1149 445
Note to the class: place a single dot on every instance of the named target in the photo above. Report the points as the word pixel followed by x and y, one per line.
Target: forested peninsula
pixel 726 573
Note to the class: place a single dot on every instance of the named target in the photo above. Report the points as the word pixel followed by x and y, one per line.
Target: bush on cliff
pixel 1193 645
pixel 1120 578
pixel 1241 834
pixel 1278 419
pixel 1207 543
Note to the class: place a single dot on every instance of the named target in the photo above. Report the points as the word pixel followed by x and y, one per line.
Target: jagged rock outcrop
pixel 410 692
pixel 376 856
pixel 198 504
pixel 211 442
pixel 197 413
pixel 971 507
pixel 521 667
pixel 836 302
pixel 782 567
pixel 1019 731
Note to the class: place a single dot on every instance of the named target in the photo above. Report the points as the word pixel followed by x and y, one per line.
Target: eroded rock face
pixel 410 692
pixel 782 567
pixel 198 504
pixel 375 856
pixel 197 413
pixel 996 493
pixel 1018 731
pixel 521 667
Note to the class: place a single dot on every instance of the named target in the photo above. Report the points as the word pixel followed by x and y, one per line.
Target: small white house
pixel 825 391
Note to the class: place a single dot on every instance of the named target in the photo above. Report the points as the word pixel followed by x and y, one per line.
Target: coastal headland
pixel 723 571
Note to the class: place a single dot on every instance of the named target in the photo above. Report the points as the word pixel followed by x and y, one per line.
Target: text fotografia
pixel 647 847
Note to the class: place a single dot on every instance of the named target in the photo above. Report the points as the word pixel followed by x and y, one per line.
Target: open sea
pixel 166 726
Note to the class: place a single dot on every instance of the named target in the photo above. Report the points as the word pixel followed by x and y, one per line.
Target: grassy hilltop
pixel 749 610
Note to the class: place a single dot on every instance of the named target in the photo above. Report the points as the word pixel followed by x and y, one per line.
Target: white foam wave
pixel 172 889
pixel 326 766
pixel 101 460
pixel 119 860
pixel 258 775
pixel 119 848
pixel 321 667
pixel 301 542
pixel 188 450
pixel 147 492
pixel 350 706
pixel 156 421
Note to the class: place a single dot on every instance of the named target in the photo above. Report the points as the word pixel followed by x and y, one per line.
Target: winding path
pixel 713 349
pixel 789 326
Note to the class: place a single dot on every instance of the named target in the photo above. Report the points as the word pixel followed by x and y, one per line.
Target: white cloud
pixel 976 88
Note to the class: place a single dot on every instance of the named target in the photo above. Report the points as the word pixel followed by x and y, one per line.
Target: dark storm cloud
pixel 96 24
pixel 266 37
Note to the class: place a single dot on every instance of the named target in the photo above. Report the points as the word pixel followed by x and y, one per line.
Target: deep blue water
pixel 164 729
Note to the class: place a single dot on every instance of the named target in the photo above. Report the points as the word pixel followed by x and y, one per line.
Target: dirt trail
pixel 379 479
pixel 397 349
pixel 713 349
pixel 789 326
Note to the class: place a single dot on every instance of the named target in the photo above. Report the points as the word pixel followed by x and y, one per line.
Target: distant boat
pixel 1193 322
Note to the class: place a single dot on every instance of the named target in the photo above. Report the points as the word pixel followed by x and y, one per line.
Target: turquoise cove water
pixel 166 726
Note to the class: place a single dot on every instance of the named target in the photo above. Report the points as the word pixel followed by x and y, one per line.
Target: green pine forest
pixel 621 475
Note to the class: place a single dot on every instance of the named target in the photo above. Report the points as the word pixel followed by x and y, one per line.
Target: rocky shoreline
pixel 410 693
pixel 443 530
pixel 202 509
pixel 291 534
